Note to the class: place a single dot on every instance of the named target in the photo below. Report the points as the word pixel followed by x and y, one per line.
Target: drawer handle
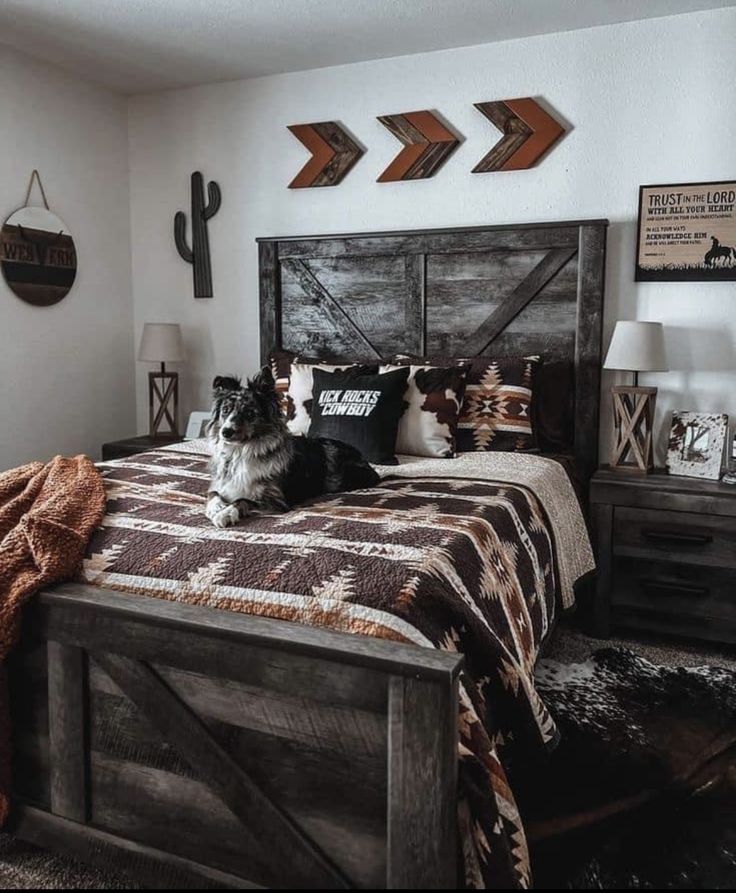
pixel 668 536
pixel 672 587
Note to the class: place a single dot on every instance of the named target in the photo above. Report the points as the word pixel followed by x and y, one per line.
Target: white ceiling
pixel 135 46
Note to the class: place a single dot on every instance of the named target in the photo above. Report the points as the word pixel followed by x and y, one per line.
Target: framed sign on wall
pixel 687 232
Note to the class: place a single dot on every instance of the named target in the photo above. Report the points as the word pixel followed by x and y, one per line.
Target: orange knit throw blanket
pixel 47 516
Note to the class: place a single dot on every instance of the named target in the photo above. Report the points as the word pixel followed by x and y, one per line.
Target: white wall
pixel 649 102
pixel 66 372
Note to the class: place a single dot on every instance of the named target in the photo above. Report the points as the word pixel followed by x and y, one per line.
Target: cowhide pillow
pixel 496 412
pixel 434 396
pixel 301 382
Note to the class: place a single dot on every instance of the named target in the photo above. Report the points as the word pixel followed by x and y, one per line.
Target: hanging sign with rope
pixel 37 253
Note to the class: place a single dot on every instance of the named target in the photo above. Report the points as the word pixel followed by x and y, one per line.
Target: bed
pixel 205 747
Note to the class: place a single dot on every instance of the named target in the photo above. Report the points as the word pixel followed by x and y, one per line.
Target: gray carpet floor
pixel 569 646
pixel 24 867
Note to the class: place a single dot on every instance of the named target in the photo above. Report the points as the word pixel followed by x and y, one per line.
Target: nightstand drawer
pixel 679 537
pixel 665 587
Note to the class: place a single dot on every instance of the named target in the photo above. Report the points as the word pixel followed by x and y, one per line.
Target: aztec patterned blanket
pixel 468 554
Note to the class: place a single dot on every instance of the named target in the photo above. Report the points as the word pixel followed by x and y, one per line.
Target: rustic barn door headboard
pixel 502 290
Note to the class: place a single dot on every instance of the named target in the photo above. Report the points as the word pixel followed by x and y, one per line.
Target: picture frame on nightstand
pixel 197 425
pixel 695 447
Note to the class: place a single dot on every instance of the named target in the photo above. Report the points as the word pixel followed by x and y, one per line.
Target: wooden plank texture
pixel 602 519
pixel 337 730
pixel 269 278
pixel 537 237
pixel 67 692
pixel 517 300
pixel 334 154
pixel 591 275
pixel 528 133
pixel 291 855
pixel 328 306
pixel 422 826
pixel 158 628
pixel 428 143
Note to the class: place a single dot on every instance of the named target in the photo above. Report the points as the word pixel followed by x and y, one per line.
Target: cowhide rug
pixel 641 792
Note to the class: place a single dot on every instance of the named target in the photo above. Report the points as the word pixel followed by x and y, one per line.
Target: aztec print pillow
pixel 361 410
pixel 497 409
pixel 298 398
pixel 496 413
pixel 434 396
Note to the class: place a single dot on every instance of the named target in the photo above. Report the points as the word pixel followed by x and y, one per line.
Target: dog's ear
pixel 225 383
pixel 263 381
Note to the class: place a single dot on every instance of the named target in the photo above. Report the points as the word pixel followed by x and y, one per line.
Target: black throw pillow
pixel 362 410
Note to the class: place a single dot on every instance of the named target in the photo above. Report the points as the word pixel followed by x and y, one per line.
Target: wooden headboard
pixel 501 290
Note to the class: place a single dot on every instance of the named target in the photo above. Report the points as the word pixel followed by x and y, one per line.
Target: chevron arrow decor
pixel 528 132
pixel 334 153
pixel 428 143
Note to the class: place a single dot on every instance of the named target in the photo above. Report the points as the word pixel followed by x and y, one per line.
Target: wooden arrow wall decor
pixel 528 132
pixel 428 143
pixel 334 153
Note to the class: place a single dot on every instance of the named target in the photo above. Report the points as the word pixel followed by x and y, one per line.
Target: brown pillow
pixel 497 409
pixel 553 408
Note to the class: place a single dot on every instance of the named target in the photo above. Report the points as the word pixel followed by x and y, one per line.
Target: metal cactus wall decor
pixel 199 254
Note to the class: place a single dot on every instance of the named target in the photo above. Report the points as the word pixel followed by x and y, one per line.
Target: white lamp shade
pixel 637 347
pixel 161 343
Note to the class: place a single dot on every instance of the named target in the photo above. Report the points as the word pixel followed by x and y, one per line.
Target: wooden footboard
pixel 199 747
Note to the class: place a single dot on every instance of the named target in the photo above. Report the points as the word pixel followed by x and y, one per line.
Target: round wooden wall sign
pixel 37 256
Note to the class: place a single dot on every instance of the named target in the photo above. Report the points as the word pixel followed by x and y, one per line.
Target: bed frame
pixel 202 748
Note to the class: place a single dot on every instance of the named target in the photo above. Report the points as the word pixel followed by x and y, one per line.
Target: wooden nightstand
pixel 120 449
pixel 666 551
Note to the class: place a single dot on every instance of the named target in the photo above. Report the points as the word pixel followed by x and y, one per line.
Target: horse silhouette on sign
pixel 717 252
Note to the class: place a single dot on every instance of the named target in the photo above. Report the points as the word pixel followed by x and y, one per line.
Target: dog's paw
pixel 214 506
pixel 227 517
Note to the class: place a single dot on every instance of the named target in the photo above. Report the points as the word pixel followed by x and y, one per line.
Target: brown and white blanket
pixel 471 554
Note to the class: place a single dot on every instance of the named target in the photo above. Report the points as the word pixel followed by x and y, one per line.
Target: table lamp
pixel 635 347
pixel 161 343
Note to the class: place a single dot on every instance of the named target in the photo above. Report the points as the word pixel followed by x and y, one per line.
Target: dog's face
pixel 243 413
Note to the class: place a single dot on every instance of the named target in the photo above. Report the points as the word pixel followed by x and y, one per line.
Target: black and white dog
pixel 257 465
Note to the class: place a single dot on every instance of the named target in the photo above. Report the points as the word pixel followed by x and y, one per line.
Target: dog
pixel 259 466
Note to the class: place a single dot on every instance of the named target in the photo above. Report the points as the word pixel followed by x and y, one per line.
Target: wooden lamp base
pixel 163 403
pixel 633 418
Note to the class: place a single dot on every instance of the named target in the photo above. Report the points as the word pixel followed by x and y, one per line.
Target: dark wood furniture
pixel 130 446
pixel 197 746
pixel 510 290
pixel 666 554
